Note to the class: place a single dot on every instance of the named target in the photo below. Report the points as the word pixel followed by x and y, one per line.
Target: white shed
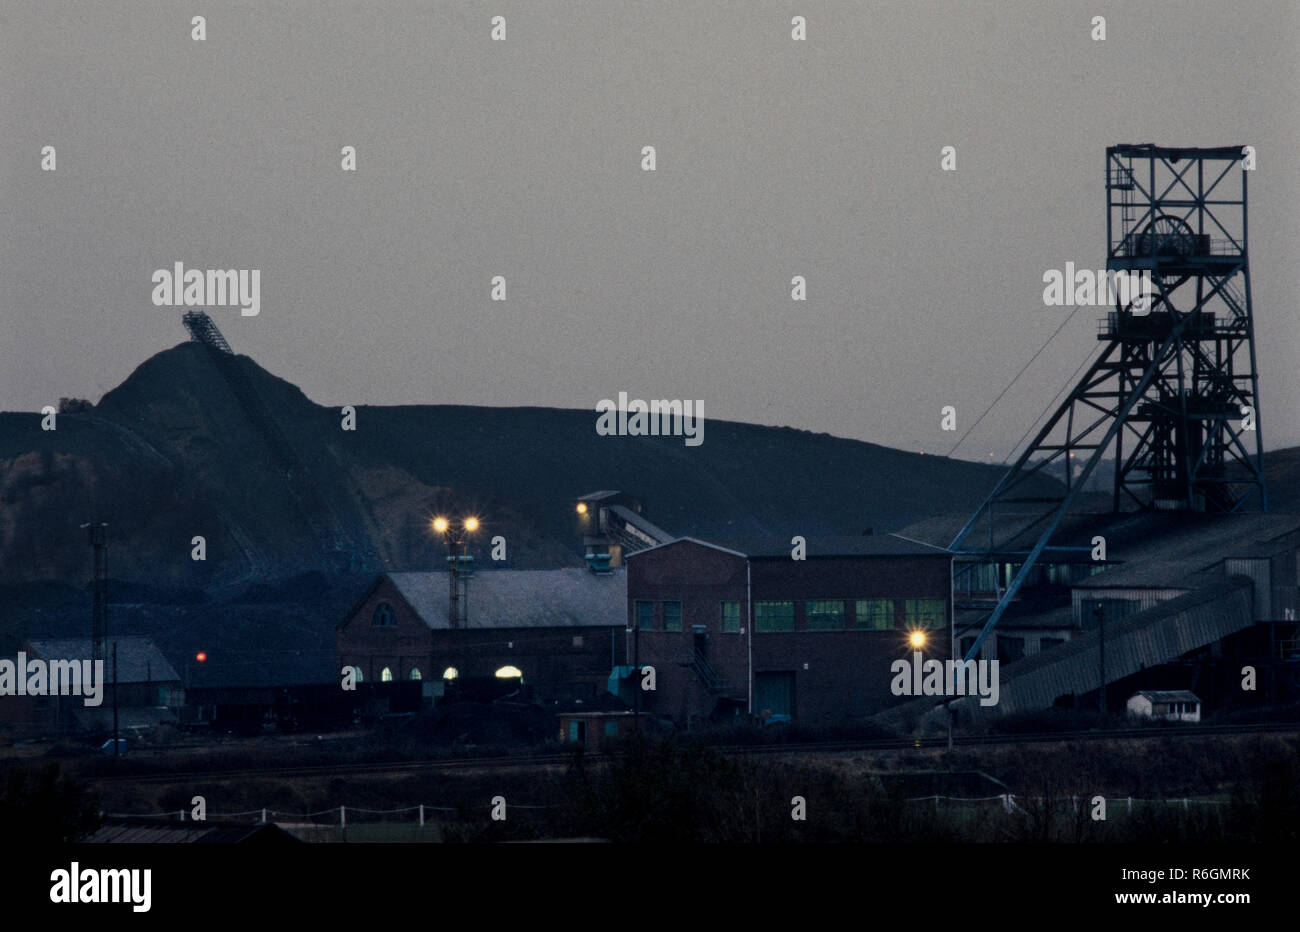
pixel 1177 705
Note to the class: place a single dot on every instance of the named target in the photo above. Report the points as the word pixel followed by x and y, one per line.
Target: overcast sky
pixel 476 158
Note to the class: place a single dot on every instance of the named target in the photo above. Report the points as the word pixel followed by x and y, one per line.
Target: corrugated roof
pixel 1130 536
pixel 146 831
pixel 825 545
pixel 1148 638
pixel 1170 550
pixel 568 597
pixel 1169 695
pixel 138 658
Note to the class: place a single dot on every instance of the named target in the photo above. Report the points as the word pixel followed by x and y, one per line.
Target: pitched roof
pixel 138 658
pixel 1168 695
pixel 137 830
pixel 825 545
pixel 568 597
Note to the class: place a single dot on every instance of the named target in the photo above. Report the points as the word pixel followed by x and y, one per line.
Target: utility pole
pixel 99 588
pixel 116 746
pixel 1101 654
pixel 636 676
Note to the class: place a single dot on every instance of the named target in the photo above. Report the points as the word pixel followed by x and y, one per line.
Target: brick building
pixel 561 630
pixel 742 627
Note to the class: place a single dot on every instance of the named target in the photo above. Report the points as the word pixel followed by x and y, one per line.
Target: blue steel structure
pixel 1173 392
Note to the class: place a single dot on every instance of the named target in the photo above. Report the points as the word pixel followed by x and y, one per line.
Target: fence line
pixel 266 814
pixel 1010 802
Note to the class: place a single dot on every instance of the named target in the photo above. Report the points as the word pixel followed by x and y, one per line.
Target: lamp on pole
pixel 456 538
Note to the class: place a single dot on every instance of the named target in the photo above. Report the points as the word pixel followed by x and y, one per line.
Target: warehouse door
pixel 774 694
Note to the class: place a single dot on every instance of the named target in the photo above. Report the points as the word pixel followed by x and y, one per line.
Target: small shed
pixel 1176 705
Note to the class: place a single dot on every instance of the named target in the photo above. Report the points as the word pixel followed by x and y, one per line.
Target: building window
pixel 385 675
pixel 672 616
pixel 773 616
pixel 357 670
pixel 611 729
pixel 645 615
pixel 450 673
pixel 824 616
pixel 875 614
pixel 384 616
pixel 578 732
pixel 415 673
pixel 1010 649
pixel 731 617
pixel 923 613
pixel 509 673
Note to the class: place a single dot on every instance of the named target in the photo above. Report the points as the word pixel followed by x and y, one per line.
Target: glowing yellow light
pixel 471 524
pixel 508 672
pixel 450 673
pixel 440 524
pixel 916 639
pixel 582 508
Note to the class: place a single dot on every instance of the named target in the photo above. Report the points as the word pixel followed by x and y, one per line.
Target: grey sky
pixel 775 158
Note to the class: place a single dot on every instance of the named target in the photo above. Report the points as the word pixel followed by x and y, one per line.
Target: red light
pixel 200 656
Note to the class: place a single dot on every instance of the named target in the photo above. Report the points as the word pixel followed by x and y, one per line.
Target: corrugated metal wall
pixel 1145 640
pixel 1145 598
pixel 1259 570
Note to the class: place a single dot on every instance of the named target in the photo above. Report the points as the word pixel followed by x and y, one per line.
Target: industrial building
pixel 744 627
pixel 148 689
pixel 556 632
pixel 1181 601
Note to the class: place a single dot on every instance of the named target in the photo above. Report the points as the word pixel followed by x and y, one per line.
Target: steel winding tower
pixel 1173 393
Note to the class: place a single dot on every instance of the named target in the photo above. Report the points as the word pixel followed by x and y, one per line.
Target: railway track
pixel 561 759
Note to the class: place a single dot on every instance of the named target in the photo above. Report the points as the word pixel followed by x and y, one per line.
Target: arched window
pixel 508 673
pixel 415 673
pixel 357 671
pixel 450 673
pixel 384 616
pixel 386 675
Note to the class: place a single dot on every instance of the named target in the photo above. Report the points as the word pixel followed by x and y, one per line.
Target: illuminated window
pixel 611 729
pixel 731 617
pixel 672 616
pixel 824 616
pixel 357 671
pixel 384 616
pixel 923 613
pixel 450 673
pixel 415 673
pixel 385 675
pixel 645 615
pixel 773 616
pixel 875 614
pixel 509 673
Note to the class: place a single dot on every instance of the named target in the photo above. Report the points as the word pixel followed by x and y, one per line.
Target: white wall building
pixel 1178 705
